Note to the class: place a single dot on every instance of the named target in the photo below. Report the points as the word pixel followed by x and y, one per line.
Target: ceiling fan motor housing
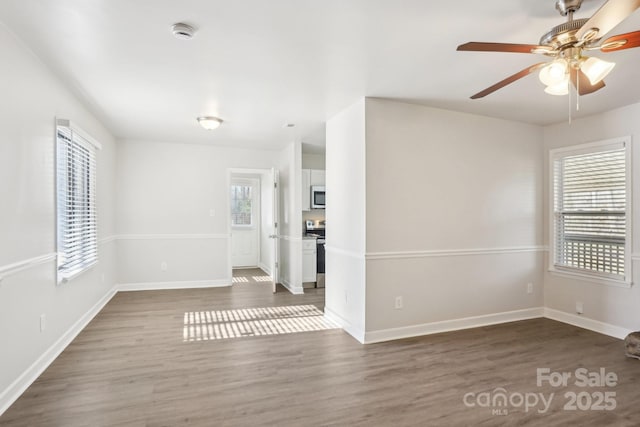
pixel 563 35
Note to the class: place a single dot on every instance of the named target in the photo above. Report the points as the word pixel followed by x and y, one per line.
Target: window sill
pixel 76 274
pixel 589 278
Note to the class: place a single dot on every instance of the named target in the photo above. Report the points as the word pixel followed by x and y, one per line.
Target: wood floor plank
pixel 132 367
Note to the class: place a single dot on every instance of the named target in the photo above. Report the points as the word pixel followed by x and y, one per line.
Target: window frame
pixel 86 141
pixel 584 274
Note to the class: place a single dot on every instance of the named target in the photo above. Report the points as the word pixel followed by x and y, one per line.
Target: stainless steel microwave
pixel 317 197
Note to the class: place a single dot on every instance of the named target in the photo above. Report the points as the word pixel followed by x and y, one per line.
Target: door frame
pixel 233 173
pixel 253 181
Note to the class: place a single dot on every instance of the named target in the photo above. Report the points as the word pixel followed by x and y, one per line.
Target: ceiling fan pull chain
pixel 570 105
pixel 577 91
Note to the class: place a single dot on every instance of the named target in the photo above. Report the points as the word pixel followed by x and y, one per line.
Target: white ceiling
pixel 258 64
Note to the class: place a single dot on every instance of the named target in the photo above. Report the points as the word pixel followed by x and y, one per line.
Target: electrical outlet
pixel 398 304
pixel 212 212
pixel 43 322
pixel 103 278
pixel 579 307
pixel 529 288
pixel 163 266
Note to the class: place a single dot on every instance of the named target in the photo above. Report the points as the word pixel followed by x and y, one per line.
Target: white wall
pixel 440 183
pixel 314 161
pixel 167 193
pixel 346 216
pixel 266 222
pixel 443 209
pixel 290 225
pixel 32 99
pixel 610 305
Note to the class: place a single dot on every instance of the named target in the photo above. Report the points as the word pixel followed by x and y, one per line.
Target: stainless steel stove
pixel 317 229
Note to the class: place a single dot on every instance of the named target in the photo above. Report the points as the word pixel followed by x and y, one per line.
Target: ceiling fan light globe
pixel 596 69
pixel 554 73
pixel 558 89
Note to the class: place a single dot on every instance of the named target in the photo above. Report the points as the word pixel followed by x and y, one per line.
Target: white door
pixel 275 234
pixel 245 222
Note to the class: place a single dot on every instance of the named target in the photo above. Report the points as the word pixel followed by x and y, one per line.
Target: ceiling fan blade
pixel 508 80
pixel 608 16
pixel 500 47
pixel 584 86
pixel 621 41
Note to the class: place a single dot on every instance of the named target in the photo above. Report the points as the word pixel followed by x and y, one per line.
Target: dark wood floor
pixel 132 367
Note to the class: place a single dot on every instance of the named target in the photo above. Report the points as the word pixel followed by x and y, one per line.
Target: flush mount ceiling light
pixel 566 44
pixel 209 122
pixel 183 31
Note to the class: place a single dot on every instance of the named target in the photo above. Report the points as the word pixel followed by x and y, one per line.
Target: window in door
pixel 241 205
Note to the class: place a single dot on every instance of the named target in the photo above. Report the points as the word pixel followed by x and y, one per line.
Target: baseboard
pixel 265 268
pixel 349 328
pixel 15 390
pixel 586 323
pixel 451 325
pixel 295 290
pixel 157 286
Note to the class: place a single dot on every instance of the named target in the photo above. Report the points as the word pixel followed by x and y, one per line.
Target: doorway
pixel 246 218
pixel 253 242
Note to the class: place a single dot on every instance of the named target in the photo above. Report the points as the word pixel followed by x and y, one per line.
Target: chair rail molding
pixel 16 267
pixel 10 269
pixel 106 240
pixel 172 236
pixel 453 252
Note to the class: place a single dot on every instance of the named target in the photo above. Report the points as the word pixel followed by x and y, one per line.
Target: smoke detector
pixel 183 31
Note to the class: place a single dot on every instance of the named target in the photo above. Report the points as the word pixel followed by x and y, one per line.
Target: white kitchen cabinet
pixel 318 177
pixel 309 260
pixel 306 189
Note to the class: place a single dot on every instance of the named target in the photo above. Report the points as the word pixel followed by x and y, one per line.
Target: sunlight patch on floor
pixel 240 280
pixel 251 322
pixel 262 278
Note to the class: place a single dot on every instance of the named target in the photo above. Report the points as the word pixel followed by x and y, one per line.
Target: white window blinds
pixel 590 210
pixel 77 228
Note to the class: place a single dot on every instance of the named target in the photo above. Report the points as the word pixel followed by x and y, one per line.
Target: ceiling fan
pixel 566 44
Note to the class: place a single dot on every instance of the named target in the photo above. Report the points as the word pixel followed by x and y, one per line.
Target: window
pixel 241 206
pixel 591 202
pixel 77 234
